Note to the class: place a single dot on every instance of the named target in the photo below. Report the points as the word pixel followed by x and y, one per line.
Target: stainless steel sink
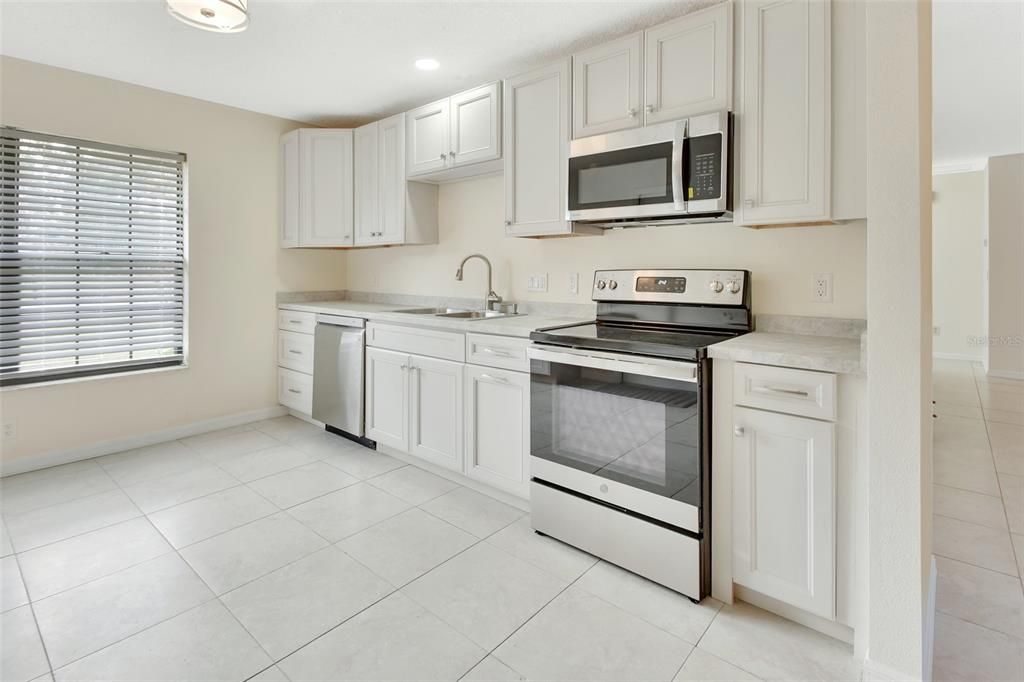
pixel 458 313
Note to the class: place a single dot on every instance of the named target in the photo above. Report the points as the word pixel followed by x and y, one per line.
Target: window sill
pixel 95 377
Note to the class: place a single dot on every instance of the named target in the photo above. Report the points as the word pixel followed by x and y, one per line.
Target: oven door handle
pixel 651 367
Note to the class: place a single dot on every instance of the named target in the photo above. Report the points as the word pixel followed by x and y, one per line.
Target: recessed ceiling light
pixel 427 64
pixel 221 16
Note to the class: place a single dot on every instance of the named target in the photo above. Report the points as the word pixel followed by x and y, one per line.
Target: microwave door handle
pixel 678 172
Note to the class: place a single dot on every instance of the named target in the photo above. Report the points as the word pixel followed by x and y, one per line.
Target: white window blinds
pixel 92 258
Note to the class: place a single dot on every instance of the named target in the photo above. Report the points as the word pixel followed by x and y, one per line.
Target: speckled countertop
pixel 803 351
pixel 519 325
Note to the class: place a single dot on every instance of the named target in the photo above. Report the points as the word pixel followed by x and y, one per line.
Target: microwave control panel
pixel 703 159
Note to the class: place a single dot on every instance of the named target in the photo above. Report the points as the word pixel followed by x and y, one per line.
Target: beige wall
pixel 1005 219
pixel 235 266
pixel 782 261
pixel 958 225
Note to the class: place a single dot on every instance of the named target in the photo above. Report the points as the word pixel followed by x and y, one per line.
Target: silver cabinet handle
pixel 631 113
pixel 739 431
pixel 508 222
pixel 649 108
pixel 296 352
pixel 783 391
pixel 295 321
pixel 491 377
pixel 444 156
pixel 749 203
pixel 451 154
pixel 294 390
pixel 491 351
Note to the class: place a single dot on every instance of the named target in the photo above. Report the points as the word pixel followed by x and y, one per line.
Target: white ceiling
pixel 978 80
pixel 325 63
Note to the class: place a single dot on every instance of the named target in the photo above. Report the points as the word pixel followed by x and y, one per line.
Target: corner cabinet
pixel 784 523
pixel 316 188
pixel 456 137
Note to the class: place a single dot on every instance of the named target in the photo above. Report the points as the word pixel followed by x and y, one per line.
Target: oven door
pixel 630 174
pixel 624 430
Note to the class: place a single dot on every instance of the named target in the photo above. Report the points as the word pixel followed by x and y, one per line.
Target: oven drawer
pixel 662 555
pixel 781 389
pixel 497 351
pixel 430 342
pixel 296 321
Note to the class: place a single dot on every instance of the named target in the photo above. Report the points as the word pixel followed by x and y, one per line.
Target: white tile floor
pixel 979 518
pixel 275 551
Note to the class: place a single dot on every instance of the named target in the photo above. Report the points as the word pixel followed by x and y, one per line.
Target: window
pixel 92 258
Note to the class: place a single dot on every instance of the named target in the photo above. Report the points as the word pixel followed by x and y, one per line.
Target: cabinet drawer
pixel 295 351
pixel 295 321
pixel 497 351
pixel 430 342
pixel 295 390
pixel 781 389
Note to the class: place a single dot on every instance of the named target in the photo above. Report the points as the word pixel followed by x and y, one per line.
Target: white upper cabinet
pixel 536 151
pixel 475 125
pixel 784 126
pixel 427 136
pixel 455 137
pixel 388 209
pixel 316 188
pixel 688 65
pixel 784 516
pixel 325 187
pixel 367 198
pixel 289 228
pixel 607 87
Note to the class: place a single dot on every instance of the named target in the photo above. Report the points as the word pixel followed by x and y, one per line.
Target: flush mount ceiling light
pixel 426 64
pixel 220 16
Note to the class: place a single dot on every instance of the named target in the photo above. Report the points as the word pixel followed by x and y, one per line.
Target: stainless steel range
pixel 620 421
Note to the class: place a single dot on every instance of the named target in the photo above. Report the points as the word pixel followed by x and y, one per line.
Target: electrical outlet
pixel 7 432
pixel 936 330
pixel 537 282
pixel 822 291
pixel 574 282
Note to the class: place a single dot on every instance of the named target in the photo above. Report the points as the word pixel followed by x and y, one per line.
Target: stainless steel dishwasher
pixel 338 373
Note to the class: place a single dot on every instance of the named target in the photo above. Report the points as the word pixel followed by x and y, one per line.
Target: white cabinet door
pixel 289 228
pixel 391 179
pixel 325 190
pixel 426 138
pixel 475 125
pixel 784 508
pixel 387 398
pixel 435 408
pixel 536 149
pixel 498 428
pixel 367 199
pixel 688 65
pixel 606 87
pixel 784 123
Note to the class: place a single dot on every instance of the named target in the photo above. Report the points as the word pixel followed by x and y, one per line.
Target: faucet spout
pixel 490 297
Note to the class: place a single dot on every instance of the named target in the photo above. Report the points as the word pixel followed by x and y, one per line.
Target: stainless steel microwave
pixel 669 173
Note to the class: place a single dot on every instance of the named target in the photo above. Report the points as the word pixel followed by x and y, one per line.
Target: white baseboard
pixel 1006 374
pixel 966 357
pixel 107 447
pixel 873 671
pixel 928 646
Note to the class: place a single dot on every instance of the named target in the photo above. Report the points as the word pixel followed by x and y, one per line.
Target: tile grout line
pixel 980 625
pixel 35 619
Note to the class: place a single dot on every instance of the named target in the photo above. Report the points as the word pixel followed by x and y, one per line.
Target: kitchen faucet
pixel 490 297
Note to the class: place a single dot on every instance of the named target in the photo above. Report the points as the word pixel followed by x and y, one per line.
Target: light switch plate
pixel 537 282
pixel 574 282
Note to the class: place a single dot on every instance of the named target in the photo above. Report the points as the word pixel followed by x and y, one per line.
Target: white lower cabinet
pixel 784 520
pixel 498 428
pixel 387 397
pixel 435 411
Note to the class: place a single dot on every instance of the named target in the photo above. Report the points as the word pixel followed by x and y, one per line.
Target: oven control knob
pixel 733 286
pixel 612 284
pixel 715 286
pixel 600 284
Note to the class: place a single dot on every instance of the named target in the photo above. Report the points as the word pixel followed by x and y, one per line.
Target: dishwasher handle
pixel 340 320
